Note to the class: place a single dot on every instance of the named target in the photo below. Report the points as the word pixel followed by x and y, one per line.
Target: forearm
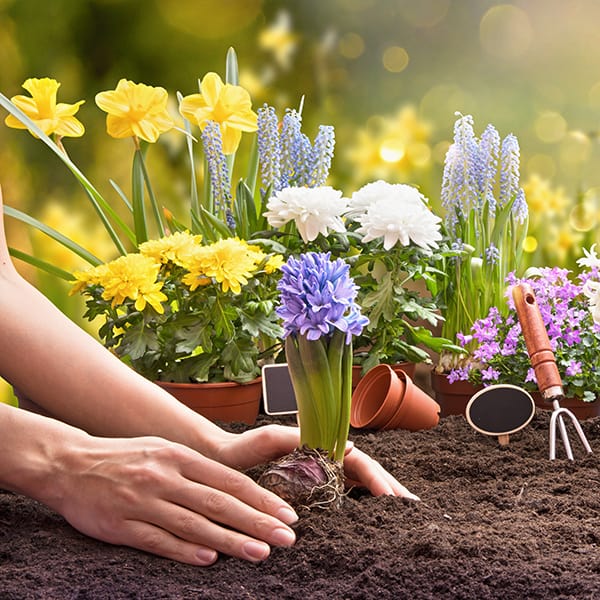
pixel 68 373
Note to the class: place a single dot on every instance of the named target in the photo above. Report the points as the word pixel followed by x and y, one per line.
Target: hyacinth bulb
pixel 306 478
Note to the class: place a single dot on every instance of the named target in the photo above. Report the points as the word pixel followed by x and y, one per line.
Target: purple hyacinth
pixel 318 296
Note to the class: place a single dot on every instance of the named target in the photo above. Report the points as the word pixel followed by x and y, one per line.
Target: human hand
pixel 263 444
pixel 164 498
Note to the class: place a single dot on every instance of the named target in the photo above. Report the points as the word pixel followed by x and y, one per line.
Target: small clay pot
pixel 416 411
pixel 376 398
pixel 388 399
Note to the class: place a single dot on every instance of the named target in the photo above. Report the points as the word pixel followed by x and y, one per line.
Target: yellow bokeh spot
pixel 530 244
pixel 575 148
pixel 351 45
pixel 395 59
pixel 505 32
pixel 550 127
pixel 583 217
pixel 392 150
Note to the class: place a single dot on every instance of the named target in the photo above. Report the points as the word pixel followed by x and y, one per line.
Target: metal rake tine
pixel 557 415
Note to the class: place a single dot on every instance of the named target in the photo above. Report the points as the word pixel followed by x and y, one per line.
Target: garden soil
pixel 493 522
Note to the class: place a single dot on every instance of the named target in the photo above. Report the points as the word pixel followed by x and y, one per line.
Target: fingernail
pixel 287 515
pixel 256 550
pixel 206 556
pixel 283 537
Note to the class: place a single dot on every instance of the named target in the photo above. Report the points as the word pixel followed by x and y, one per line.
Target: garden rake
pixel 544 364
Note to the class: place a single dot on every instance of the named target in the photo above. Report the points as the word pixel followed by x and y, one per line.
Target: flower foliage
pixel 568 305
pixel 486 218
pixel 180 310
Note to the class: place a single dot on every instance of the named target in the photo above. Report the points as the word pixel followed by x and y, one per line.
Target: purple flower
pixel 574 368
pixel 317 296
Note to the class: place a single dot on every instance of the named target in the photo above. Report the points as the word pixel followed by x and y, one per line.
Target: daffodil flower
pixel 51 117
pixel 228 105
pixel 135 110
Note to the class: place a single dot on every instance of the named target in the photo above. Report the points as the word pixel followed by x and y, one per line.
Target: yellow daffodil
pixel 42 108
pixel 279 39
pixel 228 105
pixel 135 109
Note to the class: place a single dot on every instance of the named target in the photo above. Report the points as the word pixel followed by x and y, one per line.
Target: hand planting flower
pixel 320 317
pixel 498 348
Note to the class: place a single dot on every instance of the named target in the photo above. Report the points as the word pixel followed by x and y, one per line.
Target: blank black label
pixel 278 393
pixel 500 409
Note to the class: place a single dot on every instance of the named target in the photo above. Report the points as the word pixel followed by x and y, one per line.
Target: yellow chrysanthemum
pixel 230 262
pixel 42 108
pixel 171 248
pixel 228 105
pixel 274 263
pixel 135 109
pixel 131 276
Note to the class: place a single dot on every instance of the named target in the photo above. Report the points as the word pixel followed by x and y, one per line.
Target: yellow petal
pixel 231 138
pixel 211 88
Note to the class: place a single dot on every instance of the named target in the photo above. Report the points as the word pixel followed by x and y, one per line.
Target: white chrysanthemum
pixel 592 290
pixel 397 213
pixel 591 259
pixel 361 200
pixel 314 210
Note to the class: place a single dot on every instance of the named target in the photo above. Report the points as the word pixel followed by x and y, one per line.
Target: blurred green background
pixel 388 74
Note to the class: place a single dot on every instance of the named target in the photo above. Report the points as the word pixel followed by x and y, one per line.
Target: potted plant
pixel 569 307
pixel 159 320
pixel 485 222
pixel 396 243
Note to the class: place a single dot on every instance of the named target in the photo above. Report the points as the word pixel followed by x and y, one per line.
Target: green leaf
pixel 55 235
pixel 40 264
pixel 137 195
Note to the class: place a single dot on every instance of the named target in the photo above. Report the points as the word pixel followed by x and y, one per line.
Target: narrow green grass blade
pixel 137 198
pixel 41 264
pixel 55 235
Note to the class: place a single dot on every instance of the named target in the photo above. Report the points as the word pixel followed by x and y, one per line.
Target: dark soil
pixel 494 522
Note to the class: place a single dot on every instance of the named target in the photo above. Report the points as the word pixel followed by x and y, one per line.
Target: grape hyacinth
pixel 486 218
pixel 217 167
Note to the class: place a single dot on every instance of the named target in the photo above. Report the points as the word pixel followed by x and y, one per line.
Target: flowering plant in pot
pixel 320 317
pixel 153 295
pixel 485 222
pixel 183 311
pixel 396 244
pixel 389 237
pixel 569 307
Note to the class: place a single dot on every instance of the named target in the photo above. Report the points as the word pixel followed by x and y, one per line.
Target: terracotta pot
pixel 408 367
pixel 376 398
pixel 227 401
pixel 385 400
pixel 416 411
pixel 581 410
pixel 452 397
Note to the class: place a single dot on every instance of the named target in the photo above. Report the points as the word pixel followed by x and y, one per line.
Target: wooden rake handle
pixel 537 342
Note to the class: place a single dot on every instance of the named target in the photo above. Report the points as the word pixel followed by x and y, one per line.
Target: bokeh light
pixel 505 32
